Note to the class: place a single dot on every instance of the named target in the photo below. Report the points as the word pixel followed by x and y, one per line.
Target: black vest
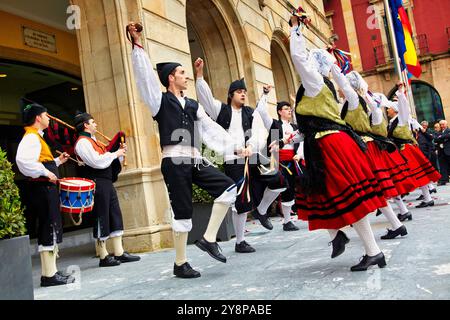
pixel 224 119
pixel 176 125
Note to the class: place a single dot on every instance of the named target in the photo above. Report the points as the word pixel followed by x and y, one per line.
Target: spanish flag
pixel 403 35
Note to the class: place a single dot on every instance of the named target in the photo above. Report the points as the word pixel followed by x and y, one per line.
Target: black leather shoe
pixel 290 226
pixel 367 261
pixel 109 261
pixel 434 190
pixel 392 234
pixel 56 280
pixel 126 257
pixel 404 216
pixel 424 204
pixel 185 271
pixel 339 243
pixel 63 274
pixel 421 197
pixel 378 212
pixel 244 247
pixel 212 248
pixel 263 218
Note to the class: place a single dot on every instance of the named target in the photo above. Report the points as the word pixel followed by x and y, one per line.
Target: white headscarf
pixel 357 82
pixel 322 60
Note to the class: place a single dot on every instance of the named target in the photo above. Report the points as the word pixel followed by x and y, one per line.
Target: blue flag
pixel 398 30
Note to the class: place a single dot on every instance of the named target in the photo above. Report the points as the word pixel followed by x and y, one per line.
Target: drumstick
pixel 80 163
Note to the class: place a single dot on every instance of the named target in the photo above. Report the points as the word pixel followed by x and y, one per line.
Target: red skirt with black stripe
pixel 421 169
pixel 399 172
pixel 380 168
pixel 352 190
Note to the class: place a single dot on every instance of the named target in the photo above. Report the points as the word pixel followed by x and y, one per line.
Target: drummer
pixel 35 161
pixel 108 217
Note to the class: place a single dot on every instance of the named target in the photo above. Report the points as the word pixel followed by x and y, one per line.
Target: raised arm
pixel 344 84
pixel 261 108
pixel 377 114
pixel 205 97
pixel 311 79
pixel 146 80
pixel 403 108
pixel 258 140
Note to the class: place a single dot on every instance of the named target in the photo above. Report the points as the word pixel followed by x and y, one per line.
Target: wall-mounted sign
pixel 38 39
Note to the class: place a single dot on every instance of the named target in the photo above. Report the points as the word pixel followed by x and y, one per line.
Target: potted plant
pixel 16 281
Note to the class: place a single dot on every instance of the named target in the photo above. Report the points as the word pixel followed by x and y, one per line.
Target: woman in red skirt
pixel 338 187
pixel 421 170
pixel 356 113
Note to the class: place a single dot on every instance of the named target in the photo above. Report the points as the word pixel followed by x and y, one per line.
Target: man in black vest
pixel 290 145
pixel 183 124
pixel 99 168
pixel 257 191
pixel 443 141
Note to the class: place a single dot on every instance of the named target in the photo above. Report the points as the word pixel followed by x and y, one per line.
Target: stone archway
pixel 282 68
pixel 215 34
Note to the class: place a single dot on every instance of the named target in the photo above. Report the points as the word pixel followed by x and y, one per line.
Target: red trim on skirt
pixel 399 172
pixel 286 155
pixel 421 169
pixel 352 190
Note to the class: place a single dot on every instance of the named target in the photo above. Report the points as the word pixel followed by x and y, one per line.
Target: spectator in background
pixel 443 141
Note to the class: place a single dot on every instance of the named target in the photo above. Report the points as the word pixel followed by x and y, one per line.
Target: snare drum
pixel 76 195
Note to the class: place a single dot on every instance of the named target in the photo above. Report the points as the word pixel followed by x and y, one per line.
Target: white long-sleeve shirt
pixel 350 94
pixel 286 126
pixel 312 80
pixel 377 114
pixel 403 109
pixel 27 157
pixel 213 135
pixel 257 140
pixel 91 157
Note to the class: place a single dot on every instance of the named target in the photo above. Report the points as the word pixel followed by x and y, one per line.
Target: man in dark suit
pixel 426 145
pixel 443 141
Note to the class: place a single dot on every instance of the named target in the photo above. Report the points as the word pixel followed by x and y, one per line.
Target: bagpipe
pixel 62 137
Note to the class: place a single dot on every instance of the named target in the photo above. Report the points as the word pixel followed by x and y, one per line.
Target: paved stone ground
pixel 287 265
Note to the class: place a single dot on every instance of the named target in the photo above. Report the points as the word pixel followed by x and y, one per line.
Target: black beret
pixel 80 119
pixel 281 104
pixel 164 70
pixel 30 110
pixel 236 85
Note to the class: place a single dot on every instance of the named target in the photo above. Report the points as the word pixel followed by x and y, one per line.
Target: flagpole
pixel 401 75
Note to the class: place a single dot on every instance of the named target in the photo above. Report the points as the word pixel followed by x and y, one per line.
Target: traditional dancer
pixel 338 187
pixel 179 118
pixel 379 149
pixel 35 161
pixel 248 131
pixel 399 131
pixel 290 153
pixel 98 167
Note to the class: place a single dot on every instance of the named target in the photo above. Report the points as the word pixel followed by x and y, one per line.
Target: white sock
pixel 392 218
pixel 333 233
pixel 239 221
pixel 180 243
pixel 268 197
pixel 117 246
pixel 426 194
pixel 431 186
pixel 48 263
pixel 401 205
pixel 286 208
pixel 101 248
pixel 219 210
pixel 362 227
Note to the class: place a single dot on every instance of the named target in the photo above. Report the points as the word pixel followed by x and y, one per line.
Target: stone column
pixel 112 99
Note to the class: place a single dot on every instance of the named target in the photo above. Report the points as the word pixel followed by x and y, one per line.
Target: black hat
pixel 281 104
pixel 80 119
pixel 164 70
pixel 30 110
pixel 236 85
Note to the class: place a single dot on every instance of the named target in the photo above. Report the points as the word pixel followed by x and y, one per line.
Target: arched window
pixel 427 100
